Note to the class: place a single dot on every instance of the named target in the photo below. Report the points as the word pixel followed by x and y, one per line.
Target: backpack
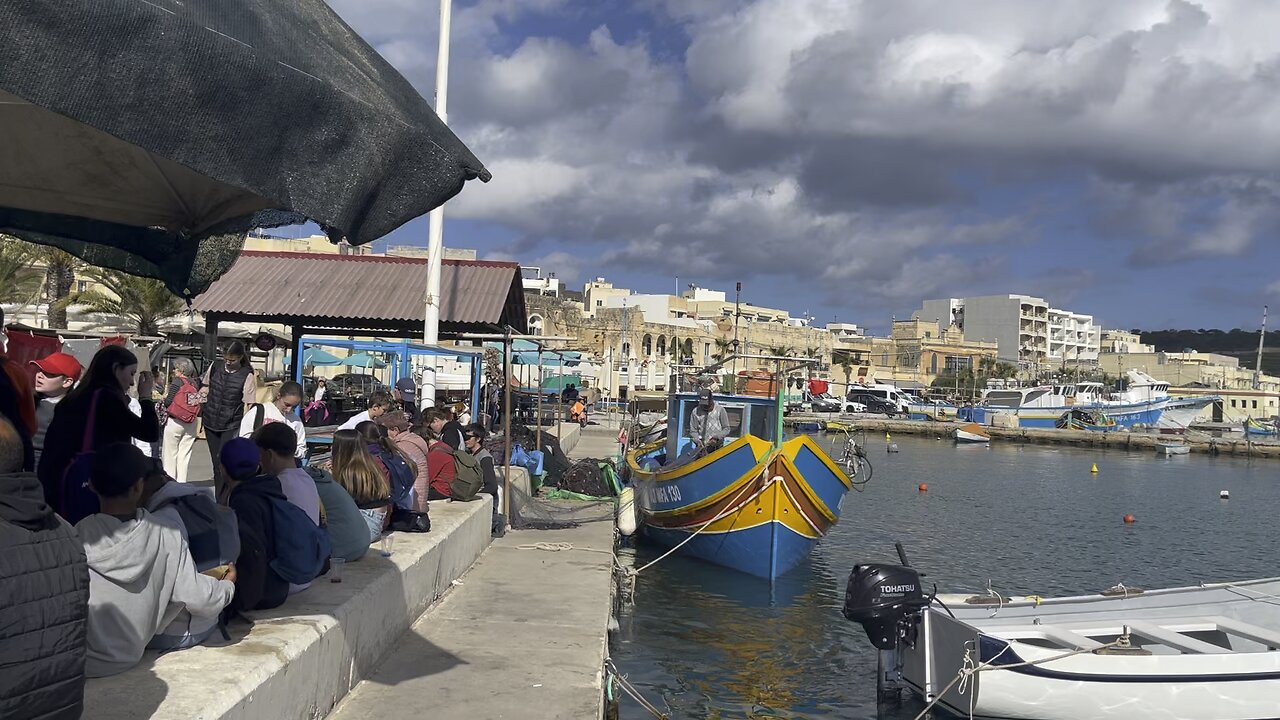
pixel 302 547
pixel 76 499
pixel 186 403
pixel 402 479
pixel 258 412
pixel 315 413
pixel 213 533
pixel 467 477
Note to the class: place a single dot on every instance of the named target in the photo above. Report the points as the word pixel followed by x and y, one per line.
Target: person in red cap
pixel 56 374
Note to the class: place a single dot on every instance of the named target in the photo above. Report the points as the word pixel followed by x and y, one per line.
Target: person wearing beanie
pixel 250 492
pixel 141 574
pixel 56 374
pixel 44 593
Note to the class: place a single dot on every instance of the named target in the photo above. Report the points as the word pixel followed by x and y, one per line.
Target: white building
pixel 598 294
pixel 845 330
pixel 1120 341
pixel 1027 331
pixel 533 281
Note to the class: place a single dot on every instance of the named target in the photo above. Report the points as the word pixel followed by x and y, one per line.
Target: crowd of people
pixel 107 551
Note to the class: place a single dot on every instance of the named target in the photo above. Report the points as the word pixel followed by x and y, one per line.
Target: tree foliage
pixel 146 302
pixel 19 280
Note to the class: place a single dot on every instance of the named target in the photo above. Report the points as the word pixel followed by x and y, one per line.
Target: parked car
pixel 824 403
pixel 348 393
pixel 870 403
pixel 854 407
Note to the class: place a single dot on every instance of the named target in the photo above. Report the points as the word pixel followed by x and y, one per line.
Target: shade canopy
pixel 150 136
pixel 364 360
pixel 316 356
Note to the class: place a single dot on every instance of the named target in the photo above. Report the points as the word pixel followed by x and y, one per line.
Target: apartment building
pixel 1025 329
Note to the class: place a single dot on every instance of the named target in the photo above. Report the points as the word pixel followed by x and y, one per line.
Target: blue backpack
pixel 213 533
pixel 401 478
pixel 302 547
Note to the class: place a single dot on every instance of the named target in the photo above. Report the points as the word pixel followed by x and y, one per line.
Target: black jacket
pixel 258 587
pixel 115 422
pixel 44 606
pixel 225 406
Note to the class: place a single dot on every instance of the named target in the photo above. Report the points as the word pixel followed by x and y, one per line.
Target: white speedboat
pixel 1209 652
pixel 971 433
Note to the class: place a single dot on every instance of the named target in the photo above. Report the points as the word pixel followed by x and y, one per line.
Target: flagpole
pixel 435 231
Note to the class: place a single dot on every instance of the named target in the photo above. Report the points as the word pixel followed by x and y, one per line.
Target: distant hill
pixel 1237 343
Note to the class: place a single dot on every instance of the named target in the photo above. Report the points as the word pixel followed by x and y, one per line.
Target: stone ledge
pixel 298 660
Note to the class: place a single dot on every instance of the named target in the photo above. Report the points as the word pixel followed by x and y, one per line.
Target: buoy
pixel 924 487
pixel 627 511
pixel 892 447
pixel 1094 469
pixel 1129 519
pixel 1224 495
pixel 886 436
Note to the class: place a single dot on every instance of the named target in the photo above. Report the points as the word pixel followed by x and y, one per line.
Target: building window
pixel 1233 403
pixel 933 363
pixel 535 324
pixel 599 303
pixel 646 345
pixel 1255 404
pixel 884 359
pixel 82 285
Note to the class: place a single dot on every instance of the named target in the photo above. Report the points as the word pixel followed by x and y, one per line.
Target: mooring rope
pixel 631 690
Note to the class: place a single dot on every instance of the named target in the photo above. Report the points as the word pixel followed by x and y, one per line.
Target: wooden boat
pixel 756 504
pixel 1085 420
pixel 807 425
pixel 1253 427
pixel 1168 449
pixel 971 433
pixel 1203 652
pixel 834 426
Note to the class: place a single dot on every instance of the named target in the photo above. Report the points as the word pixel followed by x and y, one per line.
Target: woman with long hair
pixel 103 396
pixel 364 477
pixel 400 468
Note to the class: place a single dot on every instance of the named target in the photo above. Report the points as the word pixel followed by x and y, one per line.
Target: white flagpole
pixel 435 232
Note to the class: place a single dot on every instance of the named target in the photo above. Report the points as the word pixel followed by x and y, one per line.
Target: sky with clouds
pixel 850 158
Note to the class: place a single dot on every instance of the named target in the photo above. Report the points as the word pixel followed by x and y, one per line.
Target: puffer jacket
pixel 44 604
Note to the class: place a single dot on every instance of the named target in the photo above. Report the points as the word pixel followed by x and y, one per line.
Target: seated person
pixel 172 503
pixel 343 521
pixel 276 443
pixel 365 478
pixel 250 493
pixel 281 410
pixel 44 595
pixel 379 403
pixel 141 574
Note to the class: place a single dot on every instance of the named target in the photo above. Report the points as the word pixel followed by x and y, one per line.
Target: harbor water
pixel 703 642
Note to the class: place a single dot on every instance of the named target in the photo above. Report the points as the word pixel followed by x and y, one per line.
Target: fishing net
pixel 557 510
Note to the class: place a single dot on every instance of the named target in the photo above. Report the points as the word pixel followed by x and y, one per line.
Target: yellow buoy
pixel 1094 469
pixel 886 436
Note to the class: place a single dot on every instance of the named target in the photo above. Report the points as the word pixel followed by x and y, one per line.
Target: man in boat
pixel 708 423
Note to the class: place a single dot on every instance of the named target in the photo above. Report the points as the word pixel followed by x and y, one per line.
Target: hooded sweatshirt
pixel 348 532
pixel 186 629
pixel 141 576
pixel 44 598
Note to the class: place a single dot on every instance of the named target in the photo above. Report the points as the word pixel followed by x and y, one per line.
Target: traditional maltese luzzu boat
pixel 756 504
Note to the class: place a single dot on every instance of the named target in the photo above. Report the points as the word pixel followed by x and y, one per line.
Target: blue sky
pixel 851 158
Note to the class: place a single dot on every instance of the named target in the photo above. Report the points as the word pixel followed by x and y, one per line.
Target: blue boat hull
pixel 766 551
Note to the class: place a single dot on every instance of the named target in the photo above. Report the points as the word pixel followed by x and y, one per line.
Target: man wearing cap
pixel 56 374
pixel 708 423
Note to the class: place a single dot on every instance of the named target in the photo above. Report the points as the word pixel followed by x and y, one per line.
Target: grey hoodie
pixel 140 576
pixel 185 630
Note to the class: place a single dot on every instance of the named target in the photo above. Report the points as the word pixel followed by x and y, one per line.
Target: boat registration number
pixel 663 494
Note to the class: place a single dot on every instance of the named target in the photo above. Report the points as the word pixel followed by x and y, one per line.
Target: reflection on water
pixel 711 643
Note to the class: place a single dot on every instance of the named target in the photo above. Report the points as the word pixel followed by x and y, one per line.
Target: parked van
pixel 901 401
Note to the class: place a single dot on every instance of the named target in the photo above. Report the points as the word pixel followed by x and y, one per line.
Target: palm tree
pixel 145 301
pixel 59 276
pixel 780 350
pixel 723 349
pixel 19 281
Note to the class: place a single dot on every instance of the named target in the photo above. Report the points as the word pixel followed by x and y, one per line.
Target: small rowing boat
pixel 971 433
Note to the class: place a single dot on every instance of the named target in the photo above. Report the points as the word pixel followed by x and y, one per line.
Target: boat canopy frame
pixel 400 354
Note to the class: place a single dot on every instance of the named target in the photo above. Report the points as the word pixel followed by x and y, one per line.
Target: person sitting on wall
pixel 379 403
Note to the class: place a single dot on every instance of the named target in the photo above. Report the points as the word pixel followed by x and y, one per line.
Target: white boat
pixel 1142 403
pixel 1209 652
pixel 1182 413
pixel 971 433
pixel 1167 449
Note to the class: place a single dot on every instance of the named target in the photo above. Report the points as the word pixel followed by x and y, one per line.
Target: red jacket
pixel 440 466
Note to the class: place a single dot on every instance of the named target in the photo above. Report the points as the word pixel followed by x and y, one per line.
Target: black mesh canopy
pixel 151 135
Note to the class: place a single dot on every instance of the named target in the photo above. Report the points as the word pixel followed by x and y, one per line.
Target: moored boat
pixel 1085 420
pixel 971 433
pixel 755 504
pixel 1167 449
pixel 1254 427
pixel 1209 651
pixel 1043 406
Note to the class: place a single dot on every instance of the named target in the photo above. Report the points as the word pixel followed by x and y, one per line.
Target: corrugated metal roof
pixel 364 287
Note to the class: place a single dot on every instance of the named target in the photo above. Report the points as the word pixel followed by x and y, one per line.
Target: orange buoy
pixel 1130 519
pixel 924 487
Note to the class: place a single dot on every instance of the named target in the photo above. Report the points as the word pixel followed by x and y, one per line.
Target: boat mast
pixel 1262 336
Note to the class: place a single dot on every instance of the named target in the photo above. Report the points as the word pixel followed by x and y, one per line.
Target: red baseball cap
pixel 59 363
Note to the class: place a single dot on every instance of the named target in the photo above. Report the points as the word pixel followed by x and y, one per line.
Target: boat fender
pixel 627 511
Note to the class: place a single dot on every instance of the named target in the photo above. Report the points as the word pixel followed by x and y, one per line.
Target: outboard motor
pixel 887 601
pixel 884 599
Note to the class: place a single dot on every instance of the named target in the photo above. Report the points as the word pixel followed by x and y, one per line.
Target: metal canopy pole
pixel 506 426
pixel 538 430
